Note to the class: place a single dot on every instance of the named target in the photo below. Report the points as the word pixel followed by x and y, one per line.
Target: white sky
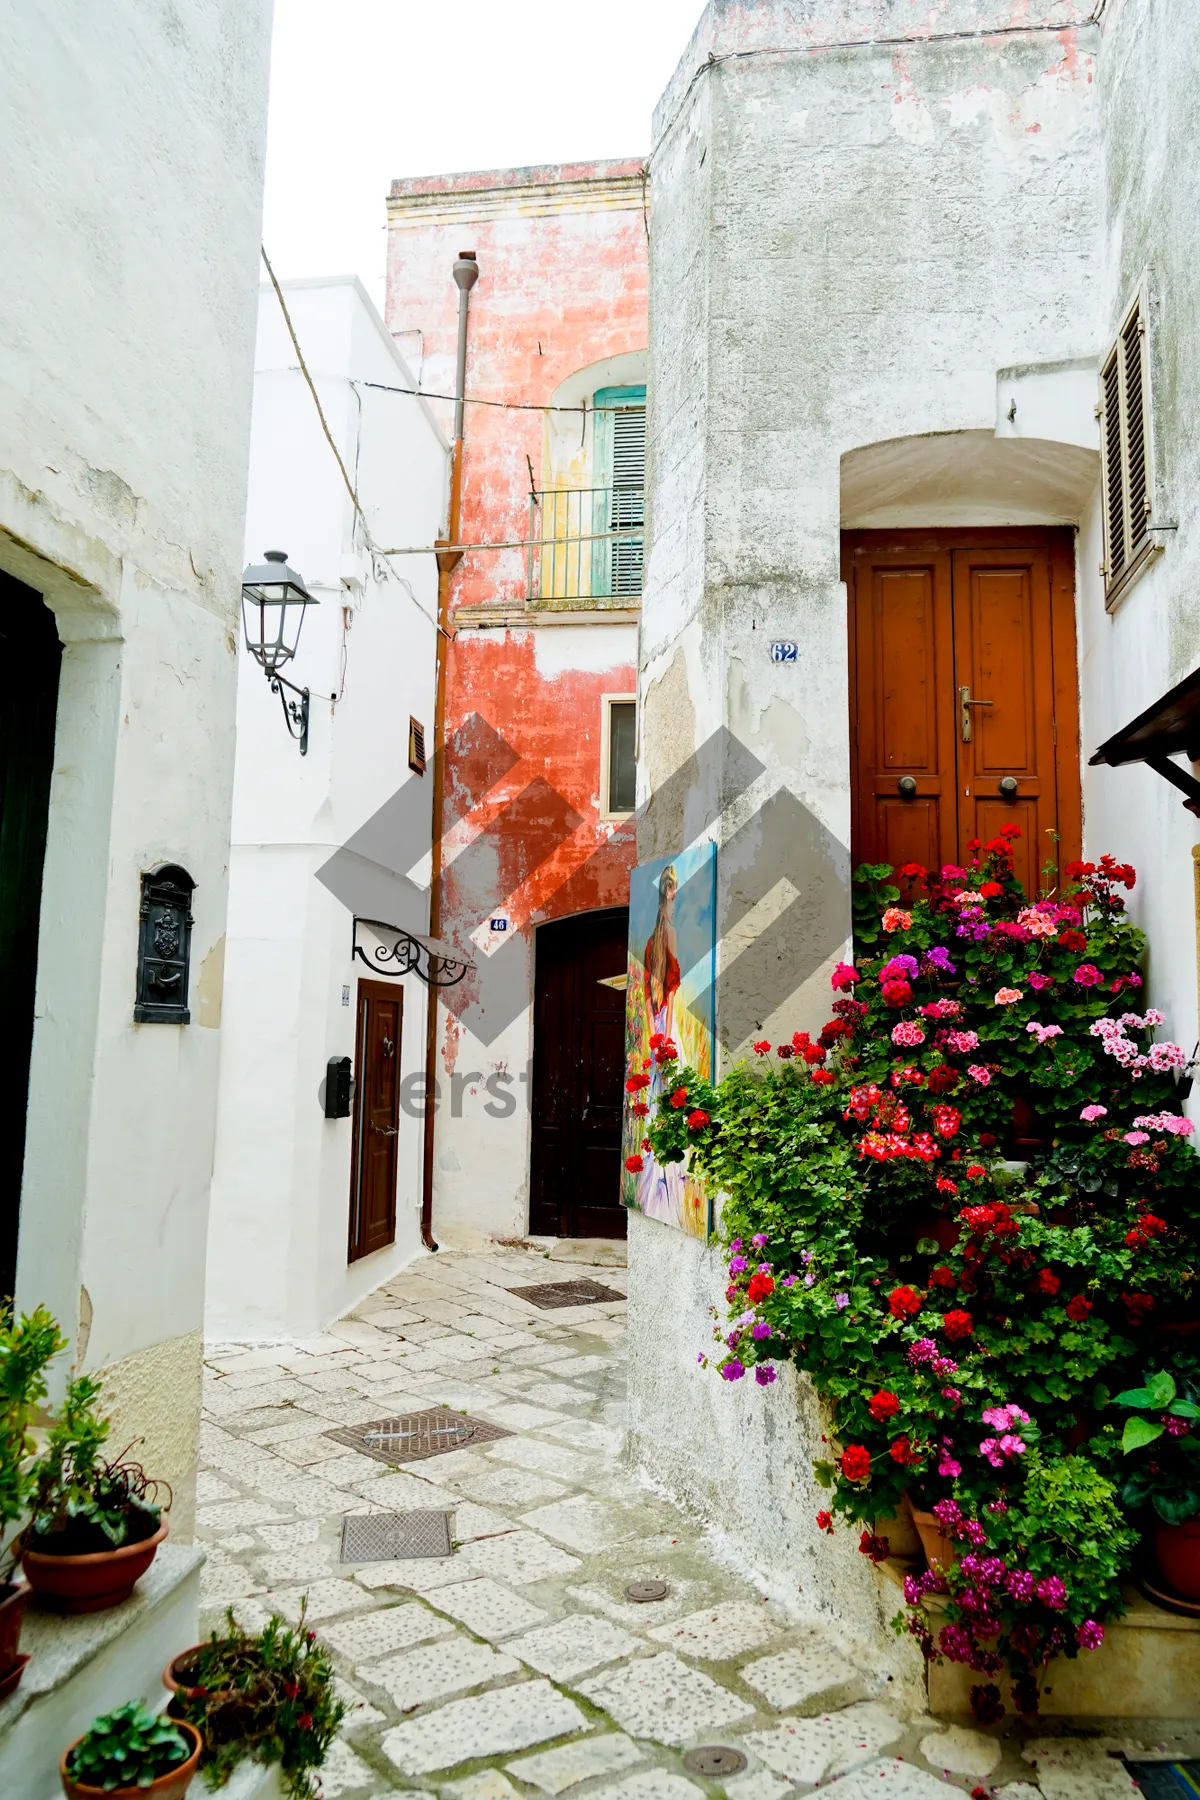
pixel 365 90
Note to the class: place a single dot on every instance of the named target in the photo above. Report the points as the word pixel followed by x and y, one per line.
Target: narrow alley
pixel 517 1665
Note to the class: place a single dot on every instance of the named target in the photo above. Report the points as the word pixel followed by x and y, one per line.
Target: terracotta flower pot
pixel 172 1679
pixel 13 1600
pixel 81 1584
pixel 171 1786
pixel 1177 1552
pixel 936 1541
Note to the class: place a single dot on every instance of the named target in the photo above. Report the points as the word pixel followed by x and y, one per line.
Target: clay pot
pixel 171 1786
pixel 1177 1552
pixel 904 1545
pixel 14 1597
pixel 936 1541
pixel 172 1678
pixel 82 1584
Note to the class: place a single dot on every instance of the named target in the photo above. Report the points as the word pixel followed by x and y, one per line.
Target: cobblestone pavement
pixel 516 1668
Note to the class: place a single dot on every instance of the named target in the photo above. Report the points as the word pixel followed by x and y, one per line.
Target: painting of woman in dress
pixel 672 913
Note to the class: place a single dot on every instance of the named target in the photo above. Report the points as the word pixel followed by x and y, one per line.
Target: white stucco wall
pixel 277 1252
pixel 131 170
pixel 865 237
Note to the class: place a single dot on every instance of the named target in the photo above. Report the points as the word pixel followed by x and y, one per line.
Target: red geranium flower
pixel 679 1098
pixel 991 890
pixel 958 1324
pixel 943 1080
pixel 697 1120
pixel 1074 941
pixel 640 1110
pixel 305 1721
pixel 634 1164
pixel 825 1521
pixel 904 1303
pixel 896 993
pixel 855 1462
pixel 1138 1307
pixel 877 1548
pixel 785 1051
pixel 291 1689
pixel 759 1286
pixel 902 1452
pixel 762 1047
pixel 986 1140
pixel 1048 1282
pixel 943 1277
pixel 636 1083
pixel 815 1053
pixel 975 1172
pixel 1078 1307
pixel 946 1186
pixel 912 872
pixel 883 1405
pixel 823 1077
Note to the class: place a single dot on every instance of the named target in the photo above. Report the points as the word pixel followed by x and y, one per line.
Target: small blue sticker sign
pixel 498 924
pixel 783 650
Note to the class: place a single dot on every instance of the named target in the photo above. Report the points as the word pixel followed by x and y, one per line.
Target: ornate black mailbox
pixel 164 947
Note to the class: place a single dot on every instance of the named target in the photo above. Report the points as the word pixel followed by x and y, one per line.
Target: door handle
pixel 1007 787
pixel 965 703
pixel 386 1130
pixel 906 787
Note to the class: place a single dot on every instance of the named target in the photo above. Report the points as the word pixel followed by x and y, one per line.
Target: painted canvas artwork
pixel 671 987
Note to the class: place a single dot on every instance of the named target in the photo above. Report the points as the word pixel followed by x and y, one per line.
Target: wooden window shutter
pixel 620 491
pixel 1125 452
pixel 416 746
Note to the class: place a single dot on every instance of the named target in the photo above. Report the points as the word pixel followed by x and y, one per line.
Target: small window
pixel 618 772
pixel 1126 454
pixel 416 746
pixel 620 514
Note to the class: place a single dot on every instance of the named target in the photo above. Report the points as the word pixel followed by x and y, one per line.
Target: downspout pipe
pixel 466 273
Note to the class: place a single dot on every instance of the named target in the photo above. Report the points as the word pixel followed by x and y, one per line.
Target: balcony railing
pixel 586 543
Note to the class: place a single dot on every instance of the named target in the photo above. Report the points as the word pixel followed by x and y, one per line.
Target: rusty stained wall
pixel 562 287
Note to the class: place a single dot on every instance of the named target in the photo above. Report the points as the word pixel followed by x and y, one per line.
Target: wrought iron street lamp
pixel 274 598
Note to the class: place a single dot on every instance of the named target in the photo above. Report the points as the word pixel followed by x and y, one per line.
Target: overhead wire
pixel 372 547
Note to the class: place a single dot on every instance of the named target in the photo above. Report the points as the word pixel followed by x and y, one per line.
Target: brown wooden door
pixel 376 1118
pixel 963 677
pixel 578 1076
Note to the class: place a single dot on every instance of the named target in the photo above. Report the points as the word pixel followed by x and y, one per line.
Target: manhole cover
pixel 642 1591
pixel 389 1536
pixel 714 1759
pixel 410 1437
pixel 566 1293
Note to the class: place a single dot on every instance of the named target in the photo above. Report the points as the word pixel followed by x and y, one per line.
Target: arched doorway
pixel 578 1070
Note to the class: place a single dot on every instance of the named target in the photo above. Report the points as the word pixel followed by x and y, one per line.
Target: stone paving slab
pixel 578 1691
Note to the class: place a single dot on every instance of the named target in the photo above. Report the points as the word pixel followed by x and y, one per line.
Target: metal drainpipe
pixel 466 274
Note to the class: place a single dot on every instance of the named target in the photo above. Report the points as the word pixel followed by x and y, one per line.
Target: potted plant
pixel 1167 1478
pixel 131 1754
pixel 96 1525
pixel 267 1696
pixel 26 1347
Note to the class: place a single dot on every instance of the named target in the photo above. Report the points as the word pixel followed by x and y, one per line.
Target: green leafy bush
pixel 964 1208
pixel 268 1696
pixel 1168 1478
pixel 26 1348
pixel 128 1748
pixel 82 1503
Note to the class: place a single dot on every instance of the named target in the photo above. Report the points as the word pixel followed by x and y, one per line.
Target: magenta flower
pixel 944 1365
pixel 760 1330
pixel 1021 1585
pixel 949 1514
pixel 1090 1635
pixel 759 1239
pixel 952 1394
pixel 1052 1593
pixel 733 1370
pixel 789 1281
pixel 923 1351
pixel 738 1265
pixel 1087 975
pixel 948 1466
pixel 764 1374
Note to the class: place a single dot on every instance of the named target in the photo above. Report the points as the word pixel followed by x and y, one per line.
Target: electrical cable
pixel 373 549
pixel 541 406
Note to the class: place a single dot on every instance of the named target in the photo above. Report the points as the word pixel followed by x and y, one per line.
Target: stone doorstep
pixel 1148 1667
pixel 88 1664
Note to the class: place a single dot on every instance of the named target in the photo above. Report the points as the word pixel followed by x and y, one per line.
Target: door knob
pixel 1008 787
pixel 965 703
pixel 907 787
pixel 385 1130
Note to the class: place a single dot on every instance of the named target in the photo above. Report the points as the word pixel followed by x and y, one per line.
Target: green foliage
pixel 128 1748
pixel 962 1316
pixel 26 1348
pixel 1170 1479
pixel 80 1502
pixel 269 1697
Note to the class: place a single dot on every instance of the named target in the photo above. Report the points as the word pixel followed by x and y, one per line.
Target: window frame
pixel 1150 548
pixel 607 702
pixel 627 397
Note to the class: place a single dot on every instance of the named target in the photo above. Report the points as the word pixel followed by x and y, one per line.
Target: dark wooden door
pixel 28 709
pixel 376 1118
pixel 578 1077
pixel 963 683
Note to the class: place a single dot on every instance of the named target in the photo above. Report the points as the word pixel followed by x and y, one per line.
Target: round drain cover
pixel 647 1590
pixel 714 1759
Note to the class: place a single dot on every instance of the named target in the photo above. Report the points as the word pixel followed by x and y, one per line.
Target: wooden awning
pixel 1172 724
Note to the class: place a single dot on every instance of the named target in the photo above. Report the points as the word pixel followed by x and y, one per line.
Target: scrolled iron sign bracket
pixel 436 964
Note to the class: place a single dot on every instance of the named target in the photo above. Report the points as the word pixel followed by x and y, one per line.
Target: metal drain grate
pixel 1165 1780
pixel 388 1536
pixel 566 1293
pixel 714 1760
pixel 410 1437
